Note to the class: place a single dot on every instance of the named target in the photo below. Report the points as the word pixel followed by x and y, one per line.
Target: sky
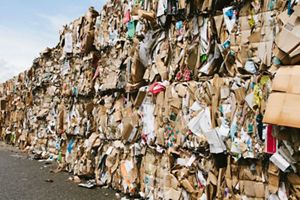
pixel 27 27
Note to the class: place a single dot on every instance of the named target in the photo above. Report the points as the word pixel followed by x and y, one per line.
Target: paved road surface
pixel 24 179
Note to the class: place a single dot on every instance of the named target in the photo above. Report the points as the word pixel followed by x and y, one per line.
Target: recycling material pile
pixel 168 99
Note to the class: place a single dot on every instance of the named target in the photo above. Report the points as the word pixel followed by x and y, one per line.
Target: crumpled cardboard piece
pixel 284 98
pixel 293 179
pixel 273 178
pixel 288 51
pixel 252 188
pixel 172 194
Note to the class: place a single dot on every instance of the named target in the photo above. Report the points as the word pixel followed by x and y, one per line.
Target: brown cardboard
pixel 283 109
pixel 137 69
pixel 181 90
pixel 287 80
pixel 290 47
pixel 273 178
pixel 172 194
pixel 220 177
pixel 284 17
pixel 212 178
pixel 139 98
pixel 147 15
pixel 294 180
pixel 273 183
pixel 187 185
pixel 160 97
pixel 207 5
pixel 240 94
pixel 252 188
pixel 162 69
pixel 118 116
pixel 176 103
pixel 192 57
pixel 88 41
pixel 127 131
pixel 2 104
pixel 160 136
pixel 218 23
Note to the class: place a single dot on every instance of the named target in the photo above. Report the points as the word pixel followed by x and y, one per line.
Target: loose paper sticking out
pixel 181 161
pixel 196 106
pixel 89 184
pixel 109 150
pixel 224 129
pixel 68 48
pixel 205 68
pixel 190 161
pixel 161 7
pixel 201 123
pixel 203 35
pixel 229 18
pixel 250 67
pixel 201 178
pixel 250 100
pixel 216 145
pixel 280 162
pixel 65 69
pixel 148 120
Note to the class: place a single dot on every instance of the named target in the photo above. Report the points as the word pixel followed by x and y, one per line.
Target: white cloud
pixel 19 48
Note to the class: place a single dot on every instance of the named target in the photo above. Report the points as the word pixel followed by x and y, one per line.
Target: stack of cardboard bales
pixel 167 99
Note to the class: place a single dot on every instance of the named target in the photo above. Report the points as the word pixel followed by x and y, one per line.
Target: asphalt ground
pixel 24 179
